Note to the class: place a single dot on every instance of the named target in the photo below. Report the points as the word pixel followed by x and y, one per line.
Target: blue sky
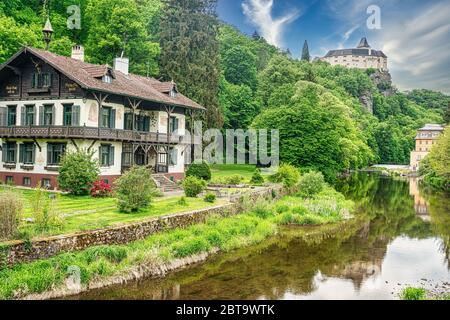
pixel 414 34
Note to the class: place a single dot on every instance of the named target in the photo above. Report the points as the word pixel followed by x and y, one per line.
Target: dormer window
pixel 173 93
pixel 107 78
pixel 41 80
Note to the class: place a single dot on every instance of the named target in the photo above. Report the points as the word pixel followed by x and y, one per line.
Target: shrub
pixel 101 189
pixel 78 172
pixel 413 294
pixel 210 197
pixel 287 174
pixel 134 190
pixel 281 208
pixel 182 202
pixel 44 210
pixel 199 170
pixel 193 186
pixel 262 210
pixel 234 179
pixel 311 184
pixel 257 178
pixel 11 207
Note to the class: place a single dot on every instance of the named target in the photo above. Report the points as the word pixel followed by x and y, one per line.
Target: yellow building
pixel 425 139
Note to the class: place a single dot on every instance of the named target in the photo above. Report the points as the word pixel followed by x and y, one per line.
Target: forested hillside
pixel 321 111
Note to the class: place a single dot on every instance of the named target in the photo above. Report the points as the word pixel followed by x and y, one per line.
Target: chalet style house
pixel 50 104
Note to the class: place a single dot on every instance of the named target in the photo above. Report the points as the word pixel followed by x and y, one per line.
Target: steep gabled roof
pixel 88 76
pixel 363 43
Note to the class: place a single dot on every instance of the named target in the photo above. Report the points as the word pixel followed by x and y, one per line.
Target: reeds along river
pixel 400 237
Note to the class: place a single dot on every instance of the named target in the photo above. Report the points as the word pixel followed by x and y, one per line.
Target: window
pixel 173 124
pixel 27 153
pixel 12 115
pixel 128 121
pixel 26 182
pixel 173 93
pixel 127 154
pixel 28 115
pixel 106 155
pixel 143 123
pixel 41 80
pixel 9 180
pixel 173 159
pixel 108 118
pixel 54 153
pixel 46 115
pixel 162 158
pixel 46 183
pixel 67 116
pixel 107 78
pixel 9 152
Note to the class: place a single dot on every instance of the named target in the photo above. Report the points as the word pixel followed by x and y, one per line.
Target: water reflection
pixel 400 237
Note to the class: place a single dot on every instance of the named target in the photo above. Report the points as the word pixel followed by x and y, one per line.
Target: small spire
pixel 363 43
pixel 48 32
pixel 48 26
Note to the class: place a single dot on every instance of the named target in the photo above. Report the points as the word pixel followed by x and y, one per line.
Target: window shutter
pixel 176 124
pixel 53 115
pixel 34 81
pixel 41 115
pixel 21 153
pixel 34 153
pixel 3 117
pixel 147 124
pixel 112 120
pixel 34 116
pixel 76 116
pixel 100 158
pixel 111 155
pixel 174 156
pixel 49 153
pixel 4 151
pixel 22 116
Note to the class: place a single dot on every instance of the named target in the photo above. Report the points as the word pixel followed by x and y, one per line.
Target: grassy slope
pixel 87 213
pixel 220 171
pixel 226 234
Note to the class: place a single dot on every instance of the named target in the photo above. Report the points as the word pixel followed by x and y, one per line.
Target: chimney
pixel 78 52
pixel 121 64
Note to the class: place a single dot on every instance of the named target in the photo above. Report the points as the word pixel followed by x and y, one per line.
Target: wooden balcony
pixel 103 134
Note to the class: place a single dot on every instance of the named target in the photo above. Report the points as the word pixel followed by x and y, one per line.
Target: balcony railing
pixel 63 132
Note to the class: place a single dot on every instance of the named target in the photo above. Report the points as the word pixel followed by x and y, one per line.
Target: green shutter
pixel 49 153
pixel 100 158
pixel 53 115
pixel 41 115
pixel 111 155
pixel 22 153
pixel 22 116
pixel 112 118
pixel 4 151
pixel 76 116
pixel 3 117
pixel 34 153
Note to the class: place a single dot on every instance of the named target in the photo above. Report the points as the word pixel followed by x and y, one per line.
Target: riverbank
pixel 102 266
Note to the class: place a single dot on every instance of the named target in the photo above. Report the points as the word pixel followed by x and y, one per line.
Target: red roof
pixel 88 76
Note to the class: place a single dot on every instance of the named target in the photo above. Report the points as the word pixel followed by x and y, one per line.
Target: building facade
pixel 425 139
pixel 362 57
pixel 51 104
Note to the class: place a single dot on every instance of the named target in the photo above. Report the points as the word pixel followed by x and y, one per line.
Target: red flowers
pixel 101 189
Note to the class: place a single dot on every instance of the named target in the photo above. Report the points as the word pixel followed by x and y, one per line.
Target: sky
pixel 414 34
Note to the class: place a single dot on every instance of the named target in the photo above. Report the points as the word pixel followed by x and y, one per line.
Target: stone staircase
pixel 165 184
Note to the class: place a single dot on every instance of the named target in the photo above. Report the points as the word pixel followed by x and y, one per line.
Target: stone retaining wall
pixel 20 251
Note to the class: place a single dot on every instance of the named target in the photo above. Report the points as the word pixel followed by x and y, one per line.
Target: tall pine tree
pixel 305 52
pixel 190 52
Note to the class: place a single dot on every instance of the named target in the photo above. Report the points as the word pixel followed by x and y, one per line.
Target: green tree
pixel 190 52
pixel 116 27
pixel 239 66
pixel 78 171
pixel 305 52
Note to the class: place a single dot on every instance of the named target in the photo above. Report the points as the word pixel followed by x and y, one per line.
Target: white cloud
pixel 260 14
pixel 347 36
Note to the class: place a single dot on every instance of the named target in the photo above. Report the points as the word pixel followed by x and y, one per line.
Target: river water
pixel 400 237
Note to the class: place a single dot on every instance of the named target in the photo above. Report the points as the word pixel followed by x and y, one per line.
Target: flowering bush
pixel 101 189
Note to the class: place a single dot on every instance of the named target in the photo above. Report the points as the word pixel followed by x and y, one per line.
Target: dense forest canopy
pixel 242 80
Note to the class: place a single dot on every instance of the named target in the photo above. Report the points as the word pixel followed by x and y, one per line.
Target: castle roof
pixel 432 127
pixel 363 49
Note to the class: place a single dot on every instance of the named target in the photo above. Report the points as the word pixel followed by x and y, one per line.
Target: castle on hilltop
pixel 362 57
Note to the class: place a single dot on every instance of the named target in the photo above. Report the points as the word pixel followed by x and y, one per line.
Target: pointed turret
pixel 363 44
pixel 305 52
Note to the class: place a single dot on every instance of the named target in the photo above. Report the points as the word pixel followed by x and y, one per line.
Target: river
pixel 400 237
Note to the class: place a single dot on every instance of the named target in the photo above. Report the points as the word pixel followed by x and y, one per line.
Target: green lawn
pixel 220 171
pixel 87 213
